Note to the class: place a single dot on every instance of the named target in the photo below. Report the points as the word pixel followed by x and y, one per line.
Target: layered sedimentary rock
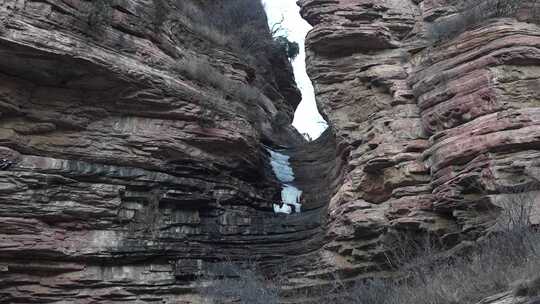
pixel 132 146
pixel 125 169
pixel 437 134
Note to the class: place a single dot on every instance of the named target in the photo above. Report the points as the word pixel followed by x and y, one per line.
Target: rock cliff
pixel 131 147
pixel 435 104
pixel 133 134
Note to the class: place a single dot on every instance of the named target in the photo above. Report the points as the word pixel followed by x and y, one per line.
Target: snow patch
pixel 290 195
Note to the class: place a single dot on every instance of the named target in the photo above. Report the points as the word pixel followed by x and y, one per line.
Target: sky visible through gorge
pixel 307 118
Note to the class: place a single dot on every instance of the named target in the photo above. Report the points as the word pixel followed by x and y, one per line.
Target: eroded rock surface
pixel 124 176
pixel 436 134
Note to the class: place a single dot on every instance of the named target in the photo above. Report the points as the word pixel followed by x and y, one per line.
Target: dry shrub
pixel 236 24
pixel 240 25
pixel 427 273
pixel 516 209
pixel 493 264
pixel 471 15
pixel 198 20
pixel 239 283
pixel 203 72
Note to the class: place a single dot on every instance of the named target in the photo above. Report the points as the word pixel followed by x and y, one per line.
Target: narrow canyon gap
pixel 284 17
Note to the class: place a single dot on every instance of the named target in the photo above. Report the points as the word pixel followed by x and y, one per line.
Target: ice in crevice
pixel 290 195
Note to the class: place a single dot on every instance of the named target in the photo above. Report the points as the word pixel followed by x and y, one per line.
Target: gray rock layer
pixel 131 153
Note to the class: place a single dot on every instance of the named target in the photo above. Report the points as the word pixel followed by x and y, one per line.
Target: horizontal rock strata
pixel 439 129
pixel 132 155
pixel 132 143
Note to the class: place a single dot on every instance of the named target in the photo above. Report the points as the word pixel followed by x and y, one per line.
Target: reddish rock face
pixel 434 132
pixel 131 153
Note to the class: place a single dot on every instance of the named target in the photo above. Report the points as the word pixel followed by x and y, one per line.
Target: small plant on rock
pixel 292 49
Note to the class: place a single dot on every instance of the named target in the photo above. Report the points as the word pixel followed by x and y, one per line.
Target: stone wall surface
pixel 437 133
pixel 124 173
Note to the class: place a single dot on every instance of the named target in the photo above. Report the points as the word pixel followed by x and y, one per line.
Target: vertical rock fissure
pixel 284 16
